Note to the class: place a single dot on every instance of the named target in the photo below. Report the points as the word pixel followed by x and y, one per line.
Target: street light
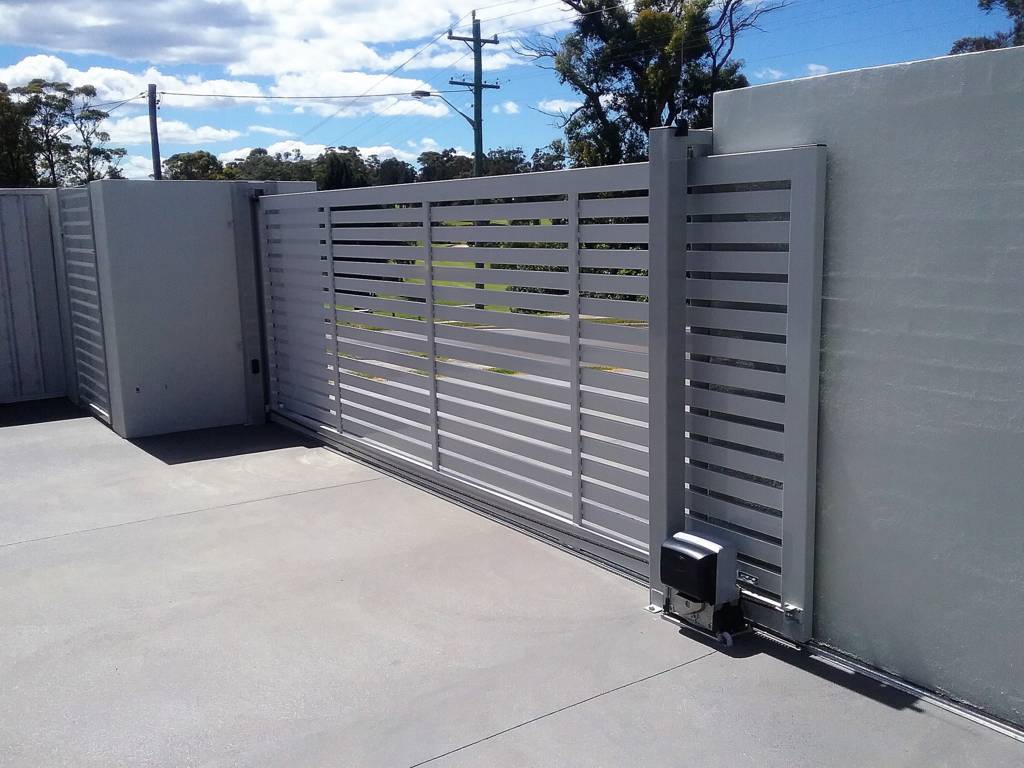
pixel 425 94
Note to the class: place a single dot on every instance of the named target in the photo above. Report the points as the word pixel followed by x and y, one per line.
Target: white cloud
pixel 817 69
pixel 769 73
pixel 137 167
pixel 118 84
pixel 270 131
pixel 557 106
pixel 132 131
pixel 265 37
pixel 506 108
pixel 278 147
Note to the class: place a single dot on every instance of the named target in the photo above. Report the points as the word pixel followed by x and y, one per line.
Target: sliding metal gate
pixel 490 337
pixel 487 335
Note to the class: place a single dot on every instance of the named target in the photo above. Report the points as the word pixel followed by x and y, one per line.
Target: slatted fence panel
pixel 489 331
pixel 84 305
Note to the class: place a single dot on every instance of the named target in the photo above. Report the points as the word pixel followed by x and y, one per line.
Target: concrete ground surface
pixel 242 597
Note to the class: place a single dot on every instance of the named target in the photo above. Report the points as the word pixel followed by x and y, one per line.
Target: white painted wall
pixel 168 257
pixel 920 520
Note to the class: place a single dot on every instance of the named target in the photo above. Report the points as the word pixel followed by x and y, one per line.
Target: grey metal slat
pixel 527 445
pixel 614 207
pixel 735 514
pixel 613 233
pixel 737 349
pixel 527 278
pixel 500 211
pixel 614 523
pixel 751 262
pixel 635 481
pixel 741 461
pixel 508 233
pixel 730 431
pixel 754 201
pixel 736 487
pixel 612 258
pixel 737 320
pixel 743 291
pixel 747 545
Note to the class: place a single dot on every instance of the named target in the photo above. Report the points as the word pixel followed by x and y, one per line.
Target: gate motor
pixel 700 574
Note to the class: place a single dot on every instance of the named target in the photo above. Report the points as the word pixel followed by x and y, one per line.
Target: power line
pixel 365 95
pixel 387 76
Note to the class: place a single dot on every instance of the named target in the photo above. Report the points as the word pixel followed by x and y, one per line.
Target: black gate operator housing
pixel 701 576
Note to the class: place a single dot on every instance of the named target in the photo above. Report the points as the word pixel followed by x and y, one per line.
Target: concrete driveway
pixel 241 597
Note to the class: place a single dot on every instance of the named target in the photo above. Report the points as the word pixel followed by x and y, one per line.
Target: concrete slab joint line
pixel 190 512
pixel 563 709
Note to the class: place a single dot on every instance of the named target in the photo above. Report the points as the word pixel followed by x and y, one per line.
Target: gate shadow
pixel 221 442
pixel 39 412
pixel 750 645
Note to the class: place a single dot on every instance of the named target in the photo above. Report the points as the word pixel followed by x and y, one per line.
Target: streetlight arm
pixel 424 94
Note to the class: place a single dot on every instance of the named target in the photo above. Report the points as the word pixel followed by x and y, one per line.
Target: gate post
pixel 669 154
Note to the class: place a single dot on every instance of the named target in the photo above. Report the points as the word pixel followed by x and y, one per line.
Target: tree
pixel 194 165
pixel 51 115
pixel 260 165
pixel 501 161
pixel 91 158
pixel 391 170
pixel 1015 36
pixel 644 67
pixel 17 147
pixel 341 168
pixel 549 158
pixel 446 164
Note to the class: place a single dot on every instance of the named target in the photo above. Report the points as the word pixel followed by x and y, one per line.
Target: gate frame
pixel 670 155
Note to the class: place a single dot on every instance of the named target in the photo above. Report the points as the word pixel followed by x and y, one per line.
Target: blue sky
pixel 340 47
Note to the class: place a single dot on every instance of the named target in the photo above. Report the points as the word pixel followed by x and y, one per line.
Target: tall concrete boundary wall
pixel 920 518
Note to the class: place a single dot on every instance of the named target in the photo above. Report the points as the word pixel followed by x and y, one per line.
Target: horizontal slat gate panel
pixel 376 327
pixel 752 292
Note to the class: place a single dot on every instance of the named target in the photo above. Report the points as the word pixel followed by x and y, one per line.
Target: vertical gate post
pixel 806 244
pixel 329 252
pixel 573 200
pixel 428 266
pixel 669 155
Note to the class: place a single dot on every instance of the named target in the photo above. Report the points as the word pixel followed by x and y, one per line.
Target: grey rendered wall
pixel 920 519
pixel 170 263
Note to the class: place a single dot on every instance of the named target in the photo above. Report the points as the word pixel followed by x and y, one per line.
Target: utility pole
pixel 154 138
pixel 477 44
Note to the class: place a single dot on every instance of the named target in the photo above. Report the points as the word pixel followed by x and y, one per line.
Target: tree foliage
pixel 1014 9
pixel 66 143
pixel 17 144
pixel 345 167
pixel 644 67
pixel 193 166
